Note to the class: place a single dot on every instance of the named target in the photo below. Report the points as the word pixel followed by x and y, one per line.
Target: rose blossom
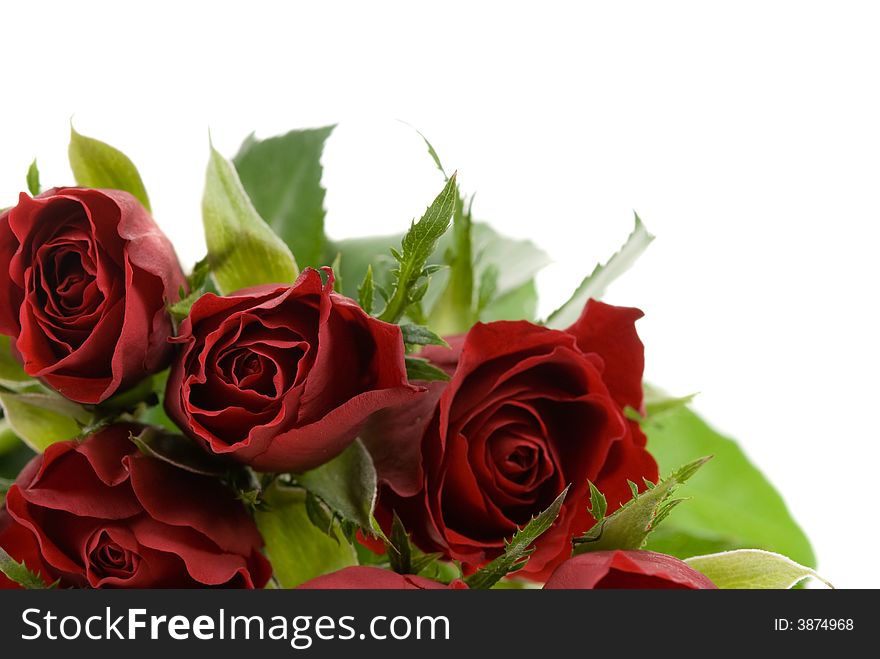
pixel 528 411
pixel 365 577
pixel 84 279
pixel 99 514
pixel 626 569
pixel 282 377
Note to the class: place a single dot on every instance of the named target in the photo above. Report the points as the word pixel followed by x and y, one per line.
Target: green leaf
pixel 19 573
pixel 516 553
pixel 399 548
pixel 658 403
pixel 98 165
pixel 336 267
pixel 347 484
pixel 594 285
pixel 519 304
pixel 419 335
pixel 320 515
pixel 598 503
pixel 417 245
pixel 298 550
pixel 197 283
pixel 5 484
pixel 732 505
pixel 9 441
pixel 282 175
pixel 421 369
pixel 629 526
pixel 41 419
pixel 33 179
pixel 12 375
pixel 431 151
pixel 752 569
pixel 242 250
pixel 455 311
pixel 365 291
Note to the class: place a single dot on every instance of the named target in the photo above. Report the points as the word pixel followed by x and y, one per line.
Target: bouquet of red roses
pixel 367 413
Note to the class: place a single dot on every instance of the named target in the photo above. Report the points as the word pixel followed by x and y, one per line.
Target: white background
pixel 746 135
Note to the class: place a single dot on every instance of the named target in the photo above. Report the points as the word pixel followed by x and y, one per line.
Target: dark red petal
pixel 20 543
pixel 11 295
pixel 393 436
pixel 626 569
pixel 205 563
pixel 180 498
pixel 363 577
pixel 610 332
pixel 304 448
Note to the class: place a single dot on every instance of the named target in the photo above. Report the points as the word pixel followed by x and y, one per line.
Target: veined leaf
pixel 347 484
pixel 629 526
pixel 41 419
pixel 421 369
pixel 417 245
pixel 99 165
pixel 516 553
pixel 731 506
pixel 419 335
pixel 282 175
pixel 242 249
pixel 594 285
pixel 753 569
pixel 298 550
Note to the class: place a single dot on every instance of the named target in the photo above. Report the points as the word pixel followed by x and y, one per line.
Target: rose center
pixel 109 559
pixel 517 459
pixel 67 280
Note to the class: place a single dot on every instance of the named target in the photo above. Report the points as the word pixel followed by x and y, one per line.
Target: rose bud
pixel 626 569
pixel 282 377
pixel 365 577
pixel 528 411
pixel 84 279
pixel 100 514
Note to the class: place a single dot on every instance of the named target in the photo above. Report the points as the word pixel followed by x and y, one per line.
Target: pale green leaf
pixel 629 526
pixel 282 176
pixel 517 551
pixel 99 165
pixel 297 549
pixel 33 179
pixel 594 285
pixel 41 419
pixel 243 251
pixel 12 375
pixel 731 506
pixel 9 441
pixel 752 569
pixel 19 573
pixel 347 484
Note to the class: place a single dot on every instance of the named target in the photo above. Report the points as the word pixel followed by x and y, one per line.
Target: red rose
pixel 283 377
pixel 100 514
pixel 528 411
pixel 363 577
pixel 626 569
pixel 84 279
